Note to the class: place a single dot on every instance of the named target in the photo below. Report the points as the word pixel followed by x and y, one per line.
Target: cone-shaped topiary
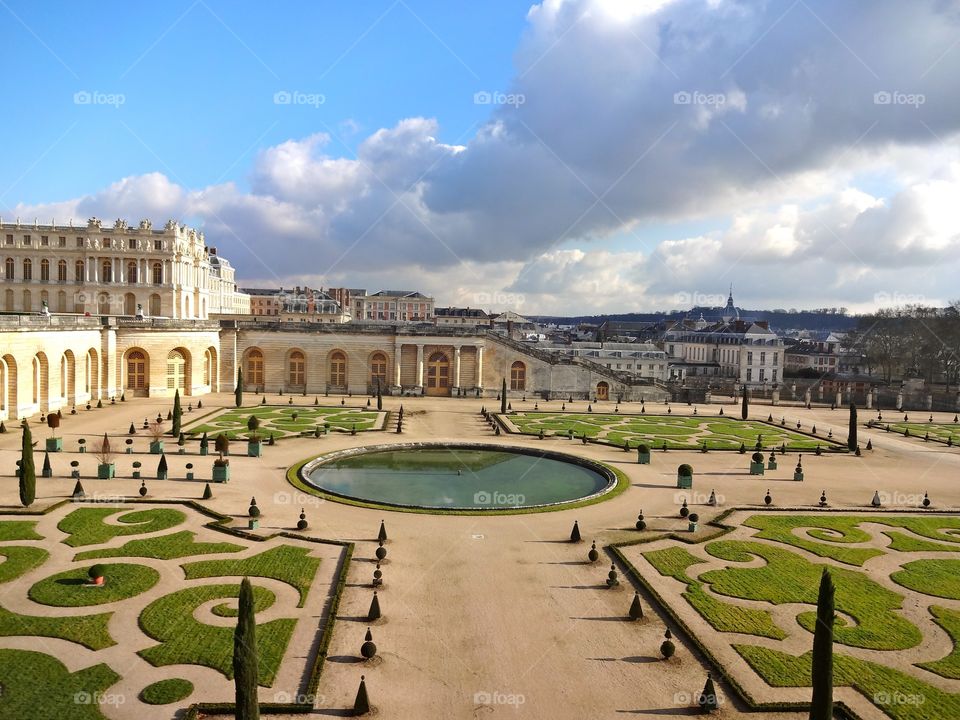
pixel 382 535
pixel 28 471
pixel 503 397
pixel 708 696
pixel 78 492
pixel 374 612
pixel 575 533
pixel 177 414
pixel 821 705
pixel 238 391
pixel 207 492
pixel 3 427
pixel 361 705
pixel 162 467
pixel 852 433
pixel 245 660
pixel 636 609
pixel 132 430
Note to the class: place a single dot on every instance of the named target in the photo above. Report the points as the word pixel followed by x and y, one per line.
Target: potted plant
pixel 106 469
pixel 204 445
pixel 772 461
pixel 96 575
pixel 162 468
pixel 756 464
pixel 643 454
pixel 129 444
pixel 156 432
pixel 136 470
pixel 693 521
pixel 54 444
pixel 75 469
pixel 221 466
pixel 82 442
pixel 222 444
pixel 685 477
pixel 254 441
pixel 189 471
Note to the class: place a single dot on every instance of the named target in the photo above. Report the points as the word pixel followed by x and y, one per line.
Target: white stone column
pixel 420 365
pixel 396 364
pixel 456 366
pixel 480 366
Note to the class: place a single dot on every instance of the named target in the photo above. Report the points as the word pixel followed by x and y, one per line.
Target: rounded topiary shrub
pixel 643 448
pixel 96 571
pixel 757 457
pixel 685 470
pixel 694 518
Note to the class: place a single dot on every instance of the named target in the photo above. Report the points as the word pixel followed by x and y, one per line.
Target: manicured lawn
pixel 36 685
pixel 19 530
pixel 917 700
pixel 164 692
pixel 19 560
pixel 86 525
pixel 679 433
pixel 183 639
pixel 940 578
pixel 165 547
pixel 949 666
pixel 87 630
pixel 72 588
pixel 788 578
pixel 722 616
pixel 940 432
pixel 286 563
pixel 284 421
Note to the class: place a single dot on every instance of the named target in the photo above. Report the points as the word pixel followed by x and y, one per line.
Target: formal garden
pixel 751 594
pixel 143 599
pixel 947 433
pixel 675 432
pixel 280 421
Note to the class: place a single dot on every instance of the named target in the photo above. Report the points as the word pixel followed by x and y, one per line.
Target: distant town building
pixel 299 304
pixel 513 325
pixel 643 360
pixel 393 306
pixel 823 356
pixel 461 317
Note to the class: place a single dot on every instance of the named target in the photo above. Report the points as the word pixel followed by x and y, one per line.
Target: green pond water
pixel 456 478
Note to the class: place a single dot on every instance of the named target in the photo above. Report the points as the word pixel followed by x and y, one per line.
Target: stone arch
pixel 136 371
pixel 41 381
pixel 210 369
pixel 603 390
pixel 379 370
pixel 253 377
pixel 8 369
pixel 93 373
pixel 179 371
pixel 518 375
pixel 296 369
pixel 68 377
pixel 337 368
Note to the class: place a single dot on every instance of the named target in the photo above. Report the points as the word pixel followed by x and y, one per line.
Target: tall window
pixel 28 269
pixel 44 270
pixel 62 271
pixel 338 369
pixel 79 270
pixel 132 272
pixel 297 375
pixel 518 376
pixel 107 275
pixel 8 266
pixel 136 370
pixel 378 370
pixel 176 370
pixel 155 305
pixel 157 273
pixel 254 369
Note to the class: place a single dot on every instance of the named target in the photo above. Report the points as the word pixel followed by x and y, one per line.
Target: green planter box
pixel 136 474
pixel 181 450
pixel 254 449
pixel 54 444
pixel 756 468
pixel 684 482
pixel 692 527
pixel 106 471
pixel 221 473
pixel 46 473
pixel 204 451
pixel 190 476
pixel 161 474
pixel 156 447
pixel 772 465
pixel 643 458
pixel 798 476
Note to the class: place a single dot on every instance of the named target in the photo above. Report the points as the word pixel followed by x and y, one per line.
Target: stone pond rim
pixel 607 482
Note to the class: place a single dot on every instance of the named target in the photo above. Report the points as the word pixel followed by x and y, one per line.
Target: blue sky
pixel 198 80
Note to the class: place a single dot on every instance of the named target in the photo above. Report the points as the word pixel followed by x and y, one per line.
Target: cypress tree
pixel 379 397
pixel 245 670
pixel 177 414
pixel 28 471
pixel 238 393
pixel 503 398
pixel 821 706
pixel 852 434
pixel 745 406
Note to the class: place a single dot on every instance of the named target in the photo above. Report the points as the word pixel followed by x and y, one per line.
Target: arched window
pixel 176 370
pixel 253 372
pixel 44 270
pixel 132 272
pixel 28 269
pixel 136 370
pixel 107 275
pixel 62 271
pixel 338 369
pixel 296 369
pixel 518 376
pixel 157 273
pixel 8 266
pixel 79 270
pixel 378 370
